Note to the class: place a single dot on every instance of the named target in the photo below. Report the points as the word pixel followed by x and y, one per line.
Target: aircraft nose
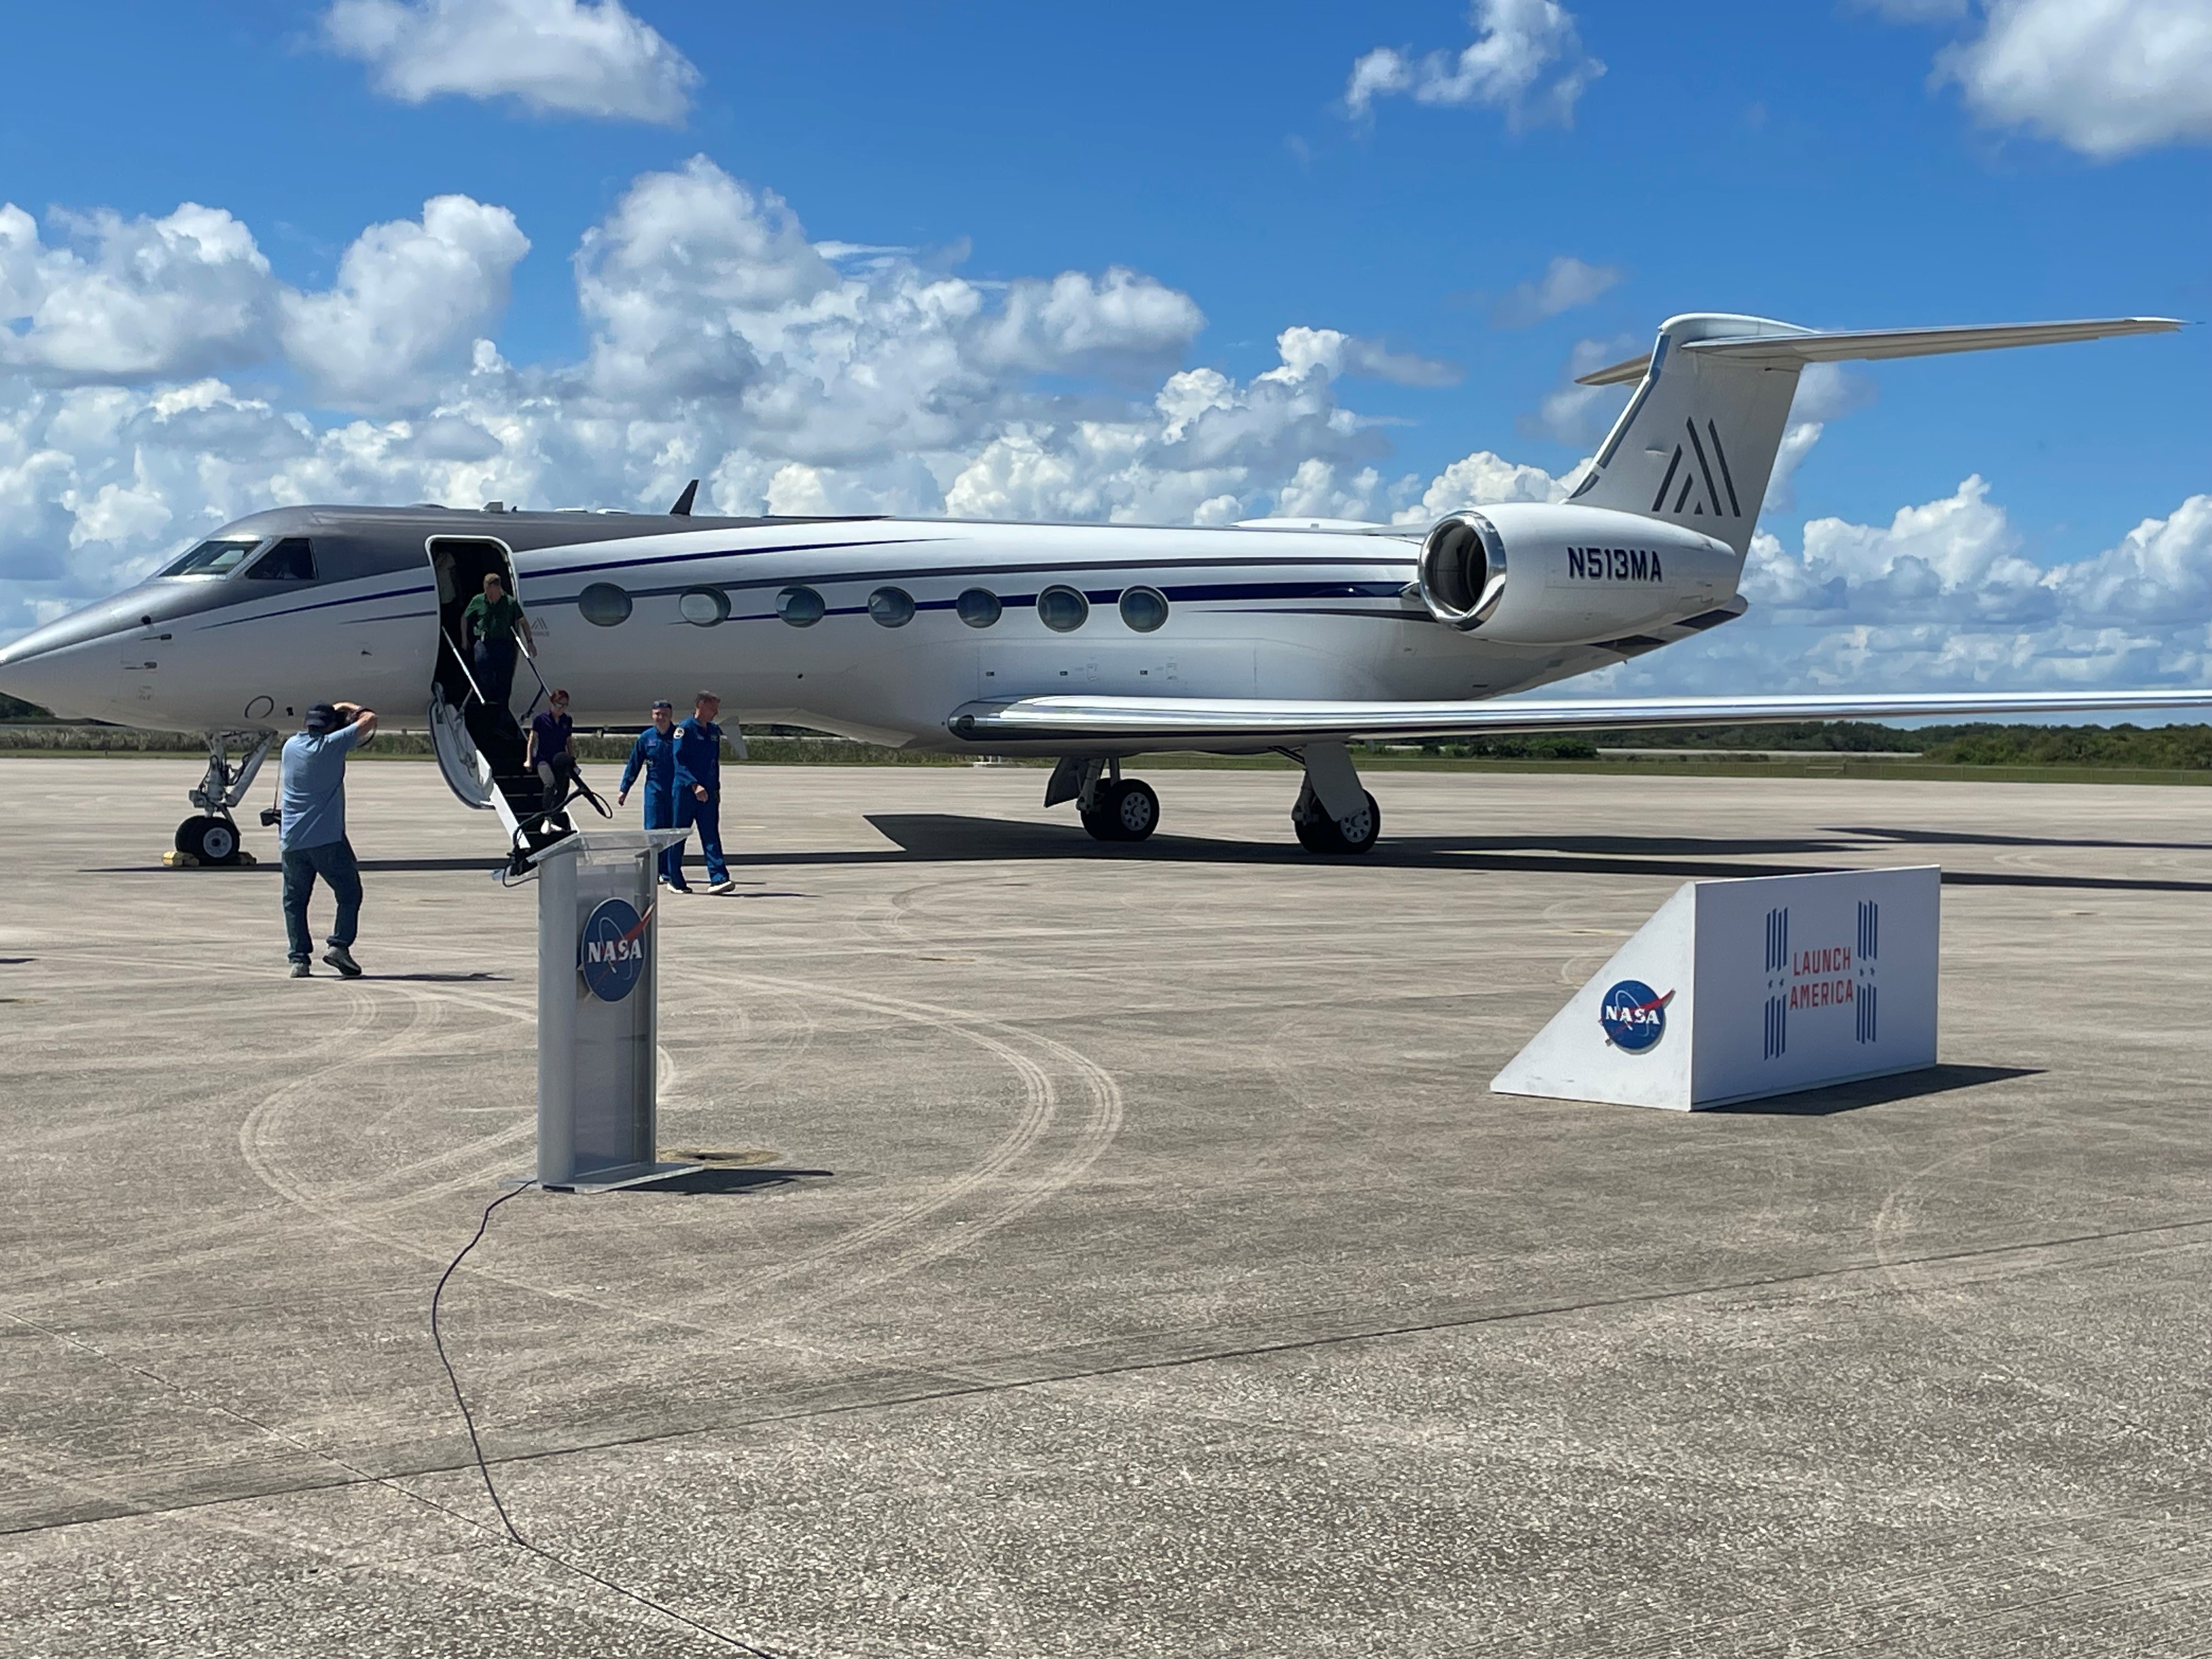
pixel 55 667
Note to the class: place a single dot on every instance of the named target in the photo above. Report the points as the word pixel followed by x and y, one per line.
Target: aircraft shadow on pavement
pixel 1878 1092
pixel 1972 838
pixel 755 1179
pixel 947 837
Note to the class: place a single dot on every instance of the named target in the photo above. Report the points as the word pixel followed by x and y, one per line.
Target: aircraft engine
pixel 1527 573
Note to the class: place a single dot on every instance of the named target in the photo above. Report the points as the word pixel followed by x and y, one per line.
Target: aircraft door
pixel 480 746
pixel 460 563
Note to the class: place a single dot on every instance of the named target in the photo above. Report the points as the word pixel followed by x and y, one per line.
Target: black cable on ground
pixel 439 1342
pixel 484 1468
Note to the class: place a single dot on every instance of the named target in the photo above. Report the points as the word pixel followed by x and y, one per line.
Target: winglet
pixel 683 507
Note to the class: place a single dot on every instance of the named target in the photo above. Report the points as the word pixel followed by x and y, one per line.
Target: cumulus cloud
pixel 411 297
pixel 1527 60
pixel 1337 354
pixel 2106 78
pixel 125 301
pixel 723 343
pixel 132 298
pixel 1566 283
pixel 1943 595
pixel 556 57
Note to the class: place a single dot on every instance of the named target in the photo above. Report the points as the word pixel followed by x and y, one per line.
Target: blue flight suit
pixel 699 762
pixel 655 756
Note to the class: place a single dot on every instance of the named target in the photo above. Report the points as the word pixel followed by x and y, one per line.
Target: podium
pixel 598 1027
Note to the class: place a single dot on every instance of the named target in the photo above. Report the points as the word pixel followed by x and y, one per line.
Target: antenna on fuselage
pixel 683 507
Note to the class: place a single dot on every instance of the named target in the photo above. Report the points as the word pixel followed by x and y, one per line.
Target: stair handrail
pixel 544 689
pixel 463 662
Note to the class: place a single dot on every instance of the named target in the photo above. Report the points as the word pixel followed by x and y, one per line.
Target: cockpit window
pixel 292 560
pixel 213 559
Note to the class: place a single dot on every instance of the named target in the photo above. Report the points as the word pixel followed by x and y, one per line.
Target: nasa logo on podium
pixel 1782 983
pixel 611 951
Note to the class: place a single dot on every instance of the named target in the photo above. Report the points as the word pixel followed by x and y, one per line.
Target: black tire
pixel 209 840
pixel 1344 836
pixel 1100 824
pixel 1133 809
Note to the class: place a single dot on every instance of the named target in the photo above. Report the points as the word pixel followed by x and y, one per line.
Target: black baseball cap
pixel 323 717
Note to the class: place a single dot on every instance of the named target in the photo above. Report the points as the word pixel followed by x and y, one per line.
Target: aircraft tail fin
pixel 1696 442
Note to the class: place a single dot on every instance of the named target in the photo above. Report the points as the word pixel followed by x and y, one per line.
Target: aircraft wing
pixel 1258 723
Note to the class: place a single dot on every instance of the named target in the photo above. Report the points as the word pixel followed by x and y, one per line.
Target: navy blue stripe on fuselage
pixel 1178 592
pixel 397 616
pixel 322 604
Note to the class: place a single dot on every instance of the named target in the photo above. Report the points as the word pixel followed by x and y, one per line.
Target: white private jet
pixel 1090 643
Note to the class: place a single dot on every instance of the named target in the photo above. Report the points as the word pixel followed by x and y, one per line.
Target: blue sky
pixel 1856 165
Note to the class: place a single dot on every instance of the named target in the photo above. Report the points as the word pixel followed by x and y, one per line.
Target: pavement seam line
pixel 980 1389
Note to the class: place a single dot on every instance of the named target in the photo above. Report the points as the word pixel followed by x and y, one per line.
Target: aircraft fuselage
pixel 856 626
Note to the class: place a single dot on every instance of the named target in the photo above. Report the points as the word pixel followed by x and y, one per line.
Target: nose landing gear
pixel 206 839
pixel 210 835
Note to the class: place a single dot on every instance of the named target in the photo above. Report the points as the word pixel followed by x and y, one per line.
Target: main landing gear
pixel 1112 807
pixel 1334 815
pixel 210 835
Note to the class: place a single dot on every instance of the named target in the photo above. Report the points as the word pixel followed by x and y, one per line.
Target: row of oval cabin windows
pixel 1062 609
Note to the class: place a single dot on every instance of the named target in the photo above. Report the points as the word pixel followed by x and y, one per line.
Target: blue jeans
pixel 334 862
pixel 661 814
pixel 705 817
pixel 494 670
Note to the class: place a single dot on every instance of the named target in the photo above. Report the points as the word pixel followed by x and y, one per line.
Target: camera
pixel 270 815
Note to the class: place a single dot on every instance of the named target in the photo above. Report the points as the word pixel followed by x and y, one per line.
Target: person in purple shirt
pixel 551 754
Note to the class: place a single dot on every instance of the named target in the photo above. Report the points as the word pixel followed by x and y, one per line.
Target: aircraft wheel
pixel 209 840
pixel 1356 834
pixel 1101 824
pixel 1133 809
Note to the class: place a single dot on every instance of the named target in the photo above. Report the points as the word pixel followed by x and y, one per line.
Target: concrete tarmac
pixel 1141 1267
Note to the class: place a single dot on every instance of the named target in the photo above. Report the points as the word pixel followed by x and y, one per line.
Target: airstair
pixel 482 752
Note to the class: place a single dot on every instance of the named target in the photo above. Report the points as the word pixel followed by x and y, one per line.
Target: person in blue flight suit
pixel 655 755
pixel 699 786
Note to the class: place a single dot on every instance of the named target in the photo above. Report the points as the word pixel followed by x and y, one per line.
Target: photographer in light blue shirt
pixel 313 832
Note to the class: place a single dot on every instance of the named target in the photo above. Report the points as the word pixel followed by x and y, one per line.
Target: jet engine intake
pixel 1462 571
pixel 1579 575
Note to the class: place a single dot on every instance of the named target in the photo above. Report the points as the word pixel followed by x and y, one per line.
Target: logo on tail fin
pixel 1696 494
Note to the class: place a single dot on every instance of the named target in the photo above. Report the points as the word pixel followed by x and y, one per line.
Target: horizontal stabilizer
pixel 1260 723
pixel 1782 349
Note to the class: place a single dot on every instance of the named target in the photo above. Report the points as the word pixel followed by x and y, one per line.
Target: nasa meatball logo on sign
pixel 1634 1016
pixel 611 955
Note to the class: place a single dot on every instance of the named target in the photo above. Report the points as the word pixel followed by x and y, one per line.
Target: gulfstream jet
pixel 1087 643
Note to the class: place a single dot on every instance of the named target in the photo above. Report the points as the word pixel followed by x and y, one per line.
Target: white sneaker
pixel 724 886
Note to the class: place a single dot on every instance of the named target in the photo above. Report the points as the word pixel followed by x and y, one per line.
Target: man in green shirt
pixel 491 623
